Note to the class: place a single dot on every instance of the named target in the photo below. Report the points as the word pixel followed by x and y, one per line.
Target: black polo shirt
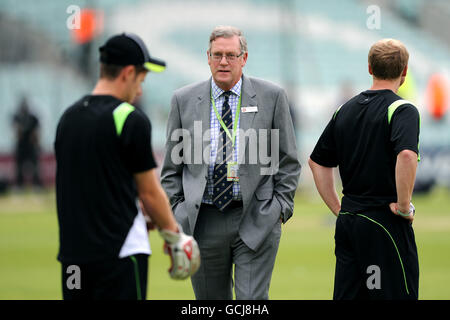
pixel 363 139
pixel 100 144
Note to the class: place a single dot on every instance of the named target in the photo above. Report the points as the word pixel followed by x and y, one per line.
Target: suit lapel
pixel 248 99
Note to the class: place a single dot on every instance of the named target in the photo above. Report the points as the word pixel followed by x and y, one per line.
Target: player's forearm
pixel 405 175
pixel 154 200
pixel 157 206
pixel 324 180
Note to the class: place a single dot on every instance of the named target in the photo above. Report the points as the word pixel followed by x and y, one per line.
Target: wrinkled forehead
pixel 226 44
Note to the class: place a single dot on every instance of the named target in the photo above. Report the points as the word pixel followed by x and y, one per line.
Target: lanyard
pixel 236 120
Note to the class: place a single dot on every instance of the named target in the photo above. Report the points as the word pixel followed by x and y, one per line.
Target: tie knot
pixel 226 94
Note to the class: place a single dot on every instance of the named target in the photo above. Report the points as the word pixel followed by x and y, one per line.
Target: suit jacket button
pixel 197 206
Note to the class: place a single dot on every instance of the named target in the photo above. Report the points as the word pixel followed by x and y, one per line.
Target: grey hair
pixel 228 32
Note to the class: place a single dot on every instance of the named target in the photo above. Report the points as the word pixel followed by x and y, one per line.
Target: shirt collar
pixel 216 91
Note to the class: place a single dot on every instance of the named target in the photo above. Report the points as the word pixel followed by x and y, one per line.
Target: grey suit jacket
pixel 267 189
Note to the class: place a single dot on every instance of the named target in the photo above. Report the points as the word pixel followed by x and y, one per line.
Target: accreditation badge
pixel 232 171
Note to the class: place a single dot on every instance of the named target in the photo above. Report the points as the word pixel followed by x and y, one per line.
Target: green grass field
pixel 304 268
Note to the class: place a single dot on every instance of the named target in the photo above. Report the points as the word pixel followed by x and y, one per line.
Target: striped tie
pixel 223 189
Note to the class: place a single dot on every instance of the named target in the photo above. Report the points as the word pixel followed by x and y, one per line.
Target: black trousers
pixel 376 257
pixel 115 279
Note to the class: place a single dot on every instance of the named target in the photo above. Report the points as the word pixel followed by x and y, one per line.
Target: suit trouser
pixel 217 234
pixel 376 256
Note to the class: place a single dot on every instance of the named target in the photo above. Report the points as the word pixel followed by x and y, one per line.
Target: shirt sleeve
pixel 405 127
pixel 324 152
pixel 136 142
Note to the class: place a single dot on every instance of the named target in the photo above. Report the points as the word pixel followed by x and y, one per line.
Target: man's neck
pixel 226 88
pixel 392 85
pixel 104 87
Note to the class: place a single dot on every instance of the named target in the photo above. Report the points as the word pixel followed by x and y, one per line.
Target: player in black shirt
pixel 374 140
pixel 105 171
pixel 26 126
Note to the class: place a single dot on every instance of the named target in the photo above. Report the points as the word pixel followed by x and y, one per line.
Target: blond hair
pixel 388 58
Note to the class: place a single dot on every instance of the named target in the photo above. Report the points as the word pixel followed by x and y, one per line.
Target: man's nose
pixel 224 60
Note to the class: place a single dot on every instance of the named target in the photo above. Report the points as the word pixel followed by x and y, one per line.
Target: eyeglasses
pixel 217 56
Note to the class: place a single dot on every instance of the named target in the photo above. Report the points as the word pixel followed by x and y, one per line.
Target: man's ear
pixel 244 59
pixel 370 70
pixel 127 72
pixel 209 57
pixel 405 71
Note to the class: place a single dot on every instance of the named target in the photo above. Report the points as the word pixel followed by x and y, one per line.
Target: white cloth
pixel 137 240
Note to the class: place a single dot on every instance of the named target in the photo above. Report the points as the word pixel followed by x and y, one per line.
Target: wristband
pixel 402 214
pixel 412 210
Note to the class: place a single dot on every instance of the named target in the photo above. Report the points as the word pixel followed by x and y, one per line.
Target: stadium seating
pixel 310 47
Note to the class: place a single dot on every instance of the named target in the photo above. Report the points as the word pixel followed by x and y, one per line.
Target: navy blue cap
pixel 129 49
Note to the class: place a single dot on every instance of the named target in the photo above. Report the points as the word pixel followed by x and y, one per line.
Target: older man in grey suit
pixel 231 171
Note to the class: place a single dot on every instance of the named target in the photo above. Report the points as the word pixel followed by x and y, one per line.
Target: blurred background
pixel 316 50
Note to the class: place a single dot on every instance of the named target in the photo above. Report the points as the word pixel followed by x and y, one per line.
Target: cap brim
pixel 155 65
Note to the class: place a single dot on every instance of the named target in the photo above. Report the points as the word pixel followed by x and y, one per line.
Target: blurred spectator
pixel 26 127
pixel 3 185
